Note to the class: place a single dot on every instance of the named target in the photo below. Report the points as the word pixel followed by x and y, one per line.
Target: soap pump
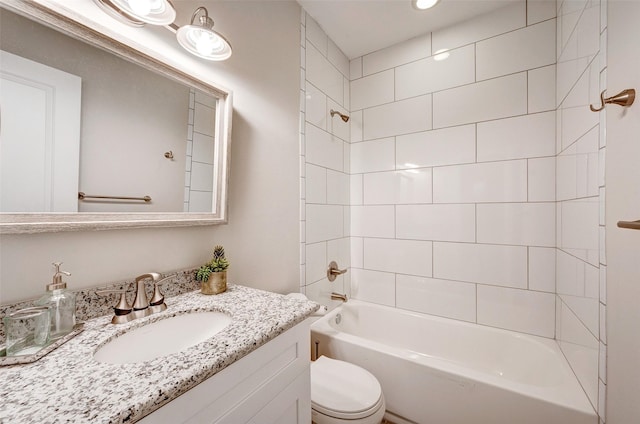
pixel 61 303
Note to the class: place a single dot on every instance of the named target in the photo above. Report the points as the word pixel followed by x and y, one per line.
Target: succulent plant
pixel 218 263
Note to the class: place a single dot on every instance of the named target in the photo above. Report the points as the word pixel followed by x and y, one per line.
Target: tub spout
pixel 338 296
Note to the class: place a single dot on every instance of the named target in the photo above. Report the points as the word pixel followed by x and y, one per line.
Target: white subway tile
pixel 525 136
pixel 316 184
pixel 542 89
pixel 373 90
pixel 603 284
pixel 340 251
pixel 579 230
pixel 436 222
pixel 202 148
pixel 324 222
pixel 321 73
pixel 316 106
pixel 356 126
pixel 316 36
pixel 373 286
pixel 447 146
pixel 337 188
pixel 429 75
pixel 201 176
pixel 519 310
pixel 527 48
pixel 356 189
pixel 481 263
pixel 398 54
pixel 569 274
pixel 540 10
pixel 316 262
pixel 373 221
pixel 399 256
pixel 580 348
pixel 475 102
pixel 451 299
pixel 524 224
pixel 398 187
pixel 542 269
pixel 372 156
pixel 338 59
pixel 355 68
pixel 357 252
pixel 346 84
pixel 485 182
pixel 586 310
pixel 542 179
pixel 488 25
pixel 323 149
pixel 403 117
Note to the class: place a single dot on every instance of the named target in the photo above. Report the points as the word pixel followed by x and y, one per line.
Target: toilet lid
pixel 343 390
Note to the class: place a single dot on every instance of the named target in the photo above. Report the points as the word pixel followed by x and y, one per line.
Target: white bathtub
pixel 441 371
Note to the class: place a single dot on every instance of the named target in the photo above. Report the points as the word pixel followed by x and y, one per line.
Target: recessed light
pixel 424 4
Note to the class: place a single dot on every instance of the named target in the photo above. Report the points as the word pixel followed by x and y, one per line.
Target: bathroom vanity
pixel 255 370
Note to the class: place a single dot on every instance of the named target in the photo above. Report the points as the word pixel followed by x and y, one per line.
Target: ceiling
pixel 359 27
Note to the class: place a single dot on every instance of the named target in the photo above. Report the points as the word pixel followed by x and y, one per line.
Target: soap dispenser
pixel 61 303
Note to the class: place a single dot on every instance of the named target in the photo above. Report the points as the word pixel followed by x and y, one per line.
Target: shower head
pixel 345 118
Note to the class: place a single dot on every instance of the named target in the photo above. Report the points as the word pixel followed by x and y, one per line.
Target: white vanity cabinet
pixel 269 385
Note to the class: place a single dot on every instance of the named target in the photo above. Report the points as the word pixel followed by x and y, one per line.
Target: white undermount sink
pixel 163 337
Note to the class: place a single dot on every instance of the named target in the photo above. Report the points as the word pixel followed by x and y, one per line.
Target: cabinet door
pixel 291 406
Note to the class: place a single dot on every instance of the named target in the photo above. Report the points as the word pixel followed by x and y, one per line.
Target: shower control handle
pixel 333 271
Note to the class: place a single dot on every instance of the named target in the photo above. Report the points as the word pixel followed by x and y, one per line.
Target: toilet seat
pixel 344 391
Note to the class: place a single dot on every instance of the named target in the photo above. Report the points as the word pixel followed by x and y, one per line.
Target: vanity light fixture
pixel 201 40
pixel 140 12
pixel 424 4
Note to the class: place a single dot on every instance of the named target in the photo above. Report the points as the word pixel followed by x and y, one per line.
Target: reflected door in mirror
pixel 40 137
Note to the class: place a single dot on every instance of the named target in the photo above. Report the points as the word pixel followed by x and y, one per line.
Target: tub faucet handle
pixel 333 271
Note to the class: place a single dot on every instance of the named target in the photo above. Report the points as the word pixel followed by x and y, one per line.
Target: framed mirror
pixel 98 135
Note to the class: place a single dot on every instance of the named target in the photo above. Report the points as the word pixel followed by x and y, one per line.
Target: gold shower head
pixel 345 118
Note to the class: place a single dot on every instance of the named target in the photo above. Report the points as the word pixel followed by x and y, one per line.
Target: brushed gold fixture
pixel 333 271
pixel 342 116
pixel 169 154
pixel 338 296
pixel 624 98
pixel 83 196
pixel 632 225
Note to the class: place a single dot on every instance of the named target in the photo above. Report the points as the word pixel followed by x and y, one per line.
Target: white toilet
pixel 344 393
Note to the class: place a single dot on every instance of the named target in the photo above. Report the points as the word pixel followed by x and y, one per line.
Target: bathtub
pixel 440 371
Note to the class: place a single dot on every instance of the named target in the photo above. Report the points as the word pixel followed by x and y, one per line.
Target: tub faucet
pixel 338 296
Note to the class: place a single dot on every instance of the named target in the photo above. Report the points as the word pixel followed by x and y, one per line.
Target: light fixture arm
pixel 205 20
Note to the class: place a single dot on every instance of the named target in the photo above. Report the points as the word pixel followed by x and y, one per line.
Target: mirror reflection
pixel 76 118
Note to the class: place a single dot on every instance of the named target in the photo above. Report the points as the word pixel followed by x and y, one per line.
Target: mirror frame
pixel 27 223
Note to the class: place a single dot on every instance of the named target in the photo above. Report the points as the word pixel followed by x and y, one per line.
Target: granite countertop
pixel 69 386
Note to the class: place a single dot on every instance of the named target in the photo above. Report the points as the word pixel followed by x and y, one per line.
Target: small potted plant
pixel 213 274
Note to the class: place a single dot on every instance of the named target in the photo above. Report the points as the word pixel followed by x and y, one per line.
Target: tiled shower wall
pixel 324 163
pixel 473 175
pixel 580 260
pixel 453 171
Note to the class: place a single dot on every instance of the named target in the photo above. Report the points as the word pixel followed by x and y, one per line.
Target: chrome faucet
pixel 142 307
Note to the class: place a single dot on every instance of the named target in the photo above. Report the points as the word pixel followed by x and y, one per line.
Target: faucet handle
pixel 123 307
pixel 157 300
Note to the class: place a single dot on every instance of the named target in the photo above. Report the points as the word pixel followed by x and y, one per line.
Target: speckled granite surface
pixel 69 386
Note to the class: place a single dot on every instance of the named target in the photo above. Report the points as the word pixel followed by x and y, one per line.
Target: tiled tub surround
pixel 474 181
pixel 89 305
pixel 68 385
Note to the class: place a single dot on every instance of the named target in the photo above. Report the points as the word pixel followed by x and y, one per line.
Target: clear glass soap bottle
pixel 61 303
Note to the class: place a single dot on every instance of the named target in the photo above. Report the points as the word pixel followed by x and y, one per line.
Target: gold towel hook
pixel 624 98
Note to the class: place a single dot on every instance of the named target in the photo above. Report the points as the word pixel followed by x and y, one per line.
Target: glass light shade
pixel 154 12
pixel 424 4
pixel 203 42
